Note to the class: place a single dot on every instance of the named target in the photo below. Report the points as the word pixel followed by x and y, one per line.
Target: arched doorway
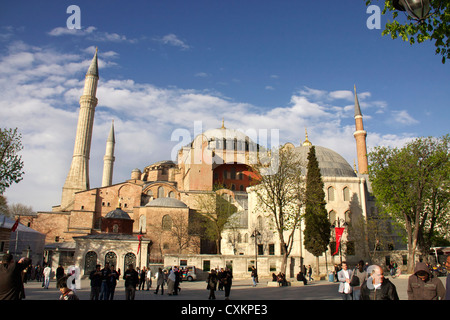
pixel 111 258
pixel 90 260
pixel 130 258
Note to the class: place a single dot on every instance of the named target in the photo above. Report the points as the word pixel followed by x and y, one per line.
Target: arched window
pixel 143 223
pixel 90 260
pixel 167 222
pixel 348 217
pixel 332 216
pixel 171 194
pixel 346 192
pixel 160 192
pixel 111 258
pixel 130 258
pixel 330 194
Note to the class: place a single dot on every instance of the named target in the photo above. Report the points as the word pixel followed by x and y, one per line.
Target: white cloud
pixel 173 40
pixel 403 117
pixel 90 33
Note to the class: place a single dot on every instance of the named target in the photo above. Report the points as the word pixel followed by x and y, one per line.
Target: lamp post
pixel 417 9
pixel 255 235
pixel 339 234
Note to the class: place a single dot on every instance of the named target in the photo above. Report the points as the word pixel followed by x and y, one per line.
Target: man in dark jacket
pixel 376 287
pixel 421 285
pixel 11 285
pixel 131 278
pixel 96 282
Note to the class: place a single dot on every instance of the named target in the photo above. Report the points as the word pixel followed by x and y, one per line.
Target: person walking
pixel 344 277
pixel 254 276
pixel 11 283
pixel 104 289
pixel 96 282
pixel 310 273
pixel 227 280
pixel 361 275
pixel 377 287
pixel 212 284
pixel 59 274
pixel 47 273
pixel 148 278
pixel 422 286
pixel 131 278
pixel 171 282
pixel 159 281
pixel 142 274
pixel 113 277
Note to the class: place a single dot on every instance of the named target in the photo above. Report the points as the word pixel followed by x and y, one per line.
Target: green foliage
pixel 411 184
pixel 435 27
pixel 317 226
pixel 11 163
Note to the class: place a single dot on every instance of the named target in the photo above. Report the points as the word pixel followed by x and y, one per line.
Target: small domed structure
pixel 117 221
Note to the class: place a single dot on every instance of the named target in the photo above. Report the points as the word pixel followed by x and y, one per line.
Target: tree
pixel 11 163
pixel 317 225
pixel 411 186
pixel 280 195
pixel 435 27
pixel 216 208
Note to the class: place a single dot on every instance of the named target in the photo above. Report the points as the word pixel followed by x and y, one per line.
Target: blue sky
pixel 282 65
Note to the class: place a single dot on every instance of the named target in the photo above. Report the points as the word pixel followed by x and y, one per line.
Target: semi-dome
pixel 118 214
pixel 166 202
pixel 331 163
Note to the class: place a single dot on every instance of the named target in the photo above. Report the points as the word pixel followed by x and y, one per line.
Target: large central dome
pixel 331 163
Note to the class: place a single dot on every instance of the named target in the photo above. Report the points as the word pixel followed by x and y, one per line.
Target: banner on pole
pixel 339 232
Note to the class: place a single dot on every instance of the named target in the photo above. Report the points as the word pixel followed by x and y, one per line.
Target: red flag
pixel 339 232
pixel 139 246
pixel 15 225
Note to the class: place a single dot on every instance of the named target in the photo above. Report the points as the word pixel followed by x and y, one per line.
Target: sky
pixel 167 66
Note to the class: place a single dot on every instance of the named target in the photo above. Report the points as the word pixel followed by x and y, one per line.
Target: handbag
pixel 354 282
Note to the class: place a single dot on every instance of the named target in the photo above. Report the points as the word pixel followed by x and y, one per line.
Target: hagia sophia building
pixel 149 219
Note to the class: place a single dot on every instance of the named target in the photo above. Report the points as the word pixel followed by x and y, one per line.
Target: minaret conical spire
pixel 360 135
pixel 78 176
pixel 93 68
pixel 108 159
pixel 357 107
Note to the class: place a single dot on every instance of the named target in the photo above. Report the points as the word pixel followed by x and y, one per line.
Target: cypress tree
pixel 317 226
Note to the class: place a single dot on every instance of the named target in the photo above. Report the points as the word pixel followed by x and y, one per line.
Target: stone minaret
pixel 78 176
pixel 360 136
pixel 108 159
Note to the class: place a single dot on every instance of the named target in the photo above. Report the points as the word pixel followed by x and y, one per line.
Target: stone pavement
pixel 196 290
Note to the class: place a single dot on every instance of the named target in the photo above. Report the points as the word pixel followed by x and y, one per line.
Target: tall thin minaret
pixel 360 135
pixel 108 159
pixel 78 176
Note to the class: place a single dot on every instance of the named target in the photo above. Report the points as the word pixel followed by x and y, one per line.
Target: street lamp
pixel 417 9
pixel 255 235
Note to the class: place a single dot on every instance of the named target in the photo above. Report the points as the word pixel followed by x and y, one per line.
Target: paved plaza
pixel 196 290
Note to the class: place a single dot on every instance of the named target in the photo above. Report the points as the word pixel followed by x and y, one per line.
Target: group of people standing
pixel 368 283
pixel 221 280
